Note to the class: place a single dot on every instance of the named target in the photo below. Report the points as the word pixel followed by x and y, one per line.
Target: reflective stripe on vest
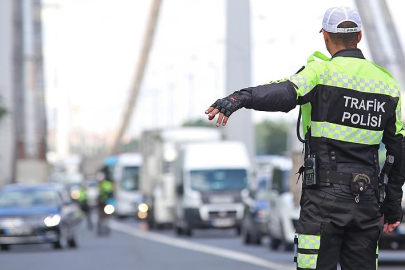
pixel 346 134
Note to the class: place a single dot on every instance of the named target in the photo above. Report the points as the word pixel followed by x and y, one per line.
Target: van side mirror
pixel 180 189
pixel 245 193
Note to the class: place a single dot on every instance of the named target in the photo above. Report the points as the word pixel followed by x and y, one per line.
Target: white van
pixel 126 184
pixel 210 178
pixel 159 150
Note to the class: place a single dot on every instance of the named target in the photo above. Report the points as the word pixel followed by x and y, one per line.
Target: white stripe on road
pixel 221 252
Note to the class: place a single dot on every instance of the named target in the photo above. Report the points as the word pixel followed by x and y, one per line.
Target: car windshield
pixel 281 180
pixel 130 181
pixel 28 198
pixel 230 179
pixel 262 191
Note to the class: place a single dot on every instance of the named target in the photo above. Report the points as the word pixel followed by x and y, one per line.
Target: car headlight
pixel 261 213
pixel 143 208
pixel 75 194
pixel 109 209
pixel 51 221
pixel 11 222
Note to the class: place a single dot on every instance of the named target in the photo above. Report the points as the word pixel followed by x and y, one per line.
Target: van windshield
pixel 130 181
pixel 229 179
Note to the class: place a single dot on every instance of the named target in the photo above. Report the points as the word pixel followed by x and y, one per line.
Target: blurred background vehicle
pixel 282 214
pixel 396 239
pixel 127 193
pixel 41 213
pixel 256 202
pixel 256 206
pixel 209 187
pixel 160 149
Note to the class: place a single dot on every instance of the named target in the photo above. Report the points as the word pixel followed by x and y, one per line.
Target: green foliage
pixel 271 138
pixel 131 146
pixel 3 110
pixel 198 123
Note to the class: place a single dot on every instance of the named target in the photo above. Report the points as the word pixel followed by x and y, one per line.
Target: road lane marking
pixel 180 243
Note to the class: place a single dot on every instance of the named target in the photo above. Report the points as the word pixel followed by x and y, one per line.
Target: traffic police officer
pixel 349 106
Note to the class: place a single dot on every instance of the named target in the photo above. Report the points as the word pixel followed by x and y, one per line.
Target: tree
pixel 3 110
pixel 131 146
pixel 271 137
pixel 198 123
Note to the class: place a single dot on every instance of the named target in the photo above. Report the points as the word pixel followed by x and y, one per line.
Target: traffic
pixel 171 193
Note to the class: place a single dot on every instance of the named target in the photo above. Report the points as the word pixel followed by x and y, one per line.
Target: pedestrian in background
pixel 84 205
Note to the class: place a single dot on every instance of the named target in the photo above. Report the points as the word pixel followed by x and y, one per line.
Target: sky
pixel 91 48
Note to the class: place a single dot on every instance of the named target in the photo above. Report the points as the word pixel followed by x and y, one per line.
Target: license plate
pixel 225 222
pixel 17 231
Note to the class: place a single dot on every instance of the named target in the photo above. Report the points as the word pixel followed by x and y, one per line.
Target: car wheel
pixel 258 239
pixel 177 230
pixel 150 220
pixel 238 230
pixel 245 236
pixel 159 226
pixel 287 246
pixel 72 242
pixel 274 243
pixel 245 231
pixel 62 241
pixel 188 231
pixel 5 247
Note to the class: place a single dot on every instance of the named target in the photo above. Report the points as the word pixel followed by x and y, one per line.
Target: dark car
pixel 34 214
pixel 254 223
pixel 396 239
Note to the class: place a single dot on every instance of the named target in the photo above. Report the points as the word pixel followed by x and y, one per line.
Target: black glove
pixel 228 105
pixel 392 211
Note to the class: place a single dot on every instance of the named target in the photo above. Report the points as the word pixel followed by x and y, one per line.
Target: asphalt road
pixel 132 246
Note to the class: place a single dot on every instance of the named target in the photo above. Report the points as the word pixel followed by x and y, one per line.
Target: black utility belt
pixel 348 179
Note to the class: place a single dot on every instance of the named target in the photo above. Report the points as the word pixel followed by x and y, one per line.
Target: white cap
pixel 336 15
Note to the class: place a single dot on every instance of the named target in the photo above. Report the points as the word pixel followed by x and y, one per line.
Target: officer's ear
pixel 325 35
pixel 359 36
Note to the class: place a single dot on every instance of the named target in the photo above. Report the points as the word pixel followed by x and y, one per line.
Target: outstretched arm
pixel 276 96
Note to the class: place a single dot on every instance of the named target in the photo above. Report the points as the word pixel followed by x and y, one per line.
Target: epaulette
pixel 319 55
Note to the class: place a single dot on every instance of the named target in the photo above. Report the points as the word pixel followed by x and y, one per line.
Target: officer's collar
pixel 354 52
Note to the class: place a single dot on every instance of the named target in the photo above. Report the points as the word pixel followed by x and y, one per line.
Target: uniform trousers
pixel 334 229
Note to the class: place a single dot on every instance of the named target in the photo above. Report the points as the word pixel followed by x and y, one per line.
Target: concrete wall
pixel 7 133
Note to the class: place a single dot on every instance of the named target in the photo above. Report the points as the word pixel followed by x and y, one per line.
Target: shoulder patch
pixel 318 55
